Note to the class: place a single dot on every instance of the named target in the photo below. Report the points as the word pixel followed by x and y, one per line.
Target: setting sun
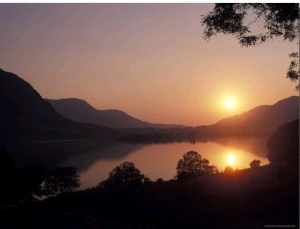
pixel 229 103
pixel 230 159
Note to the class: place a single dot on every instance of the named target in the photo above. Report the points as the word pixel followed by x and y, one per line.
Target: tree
pixel 255 164
pixel 160 180
pixel 124 175
pixel 211 169
pixel 193 164
pixel 228 170
pixel 278 20
pixel 59 180
pixel 28 182
pixel 7 162
pixel 7 177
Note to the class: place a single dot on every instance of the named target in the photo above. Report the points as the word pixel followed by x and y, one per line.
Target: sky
pixel 148 60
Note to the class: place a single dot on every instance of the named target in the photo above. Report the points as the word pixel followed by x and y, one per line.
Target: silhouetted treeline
pixel 199 197
pixel 124 175
pixel 189 134
pixel 31 181
pixel 250 198
pixel 161 136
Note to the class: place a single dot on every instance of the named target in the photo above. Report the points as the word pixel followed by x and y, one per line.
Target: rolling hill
pixel 26 116
pixel 263 119
pixel 80 111
pixel 260 121
pixel 284 143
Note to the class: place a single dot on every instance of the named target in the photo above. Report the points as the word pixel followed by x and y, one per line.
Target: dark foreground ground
pixel 252 198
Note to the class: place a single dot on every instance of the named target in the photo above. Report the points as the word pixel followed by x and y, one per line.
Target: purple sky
pixel 148 60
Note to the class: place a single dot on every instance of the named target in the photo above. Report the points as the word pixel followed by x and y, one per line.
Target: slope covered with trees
pixel 283 144
pixel 248 198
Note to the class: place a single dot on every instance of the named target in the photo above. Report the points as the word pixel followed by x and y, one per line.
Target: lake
pixel 160 160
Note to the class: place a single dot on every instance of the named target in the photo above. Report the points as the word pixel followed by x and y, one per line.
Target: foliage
pixel 19 184
pixel 277 20
pixel 255 163
pixel 160 180
pixel 293 71
pixel 211 169
pixel 124 175
pixel 59 180
pixel 228 170
pixel 6 161
pixel 28 181
pixel 6 176
pixel 22 184
pixel 193 164
pixel 224 202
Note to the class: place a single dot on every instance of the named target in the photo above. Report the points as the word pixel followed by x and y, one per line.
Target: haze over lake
pixel 160 160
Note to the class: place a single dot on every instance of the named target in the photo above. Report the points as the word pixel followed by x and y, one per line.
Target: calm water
pixel 160 160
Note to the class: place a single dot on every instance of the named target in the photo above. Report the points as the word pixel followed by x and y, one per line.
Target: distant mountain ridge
pixel 80 111
pixel 25 115
pixel 262 119
pixel 26 119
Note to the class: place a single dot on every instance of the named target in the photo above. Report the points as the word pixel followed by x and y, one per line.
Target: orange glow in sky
pixel 148 60
pixel 229 103
pixel 231 159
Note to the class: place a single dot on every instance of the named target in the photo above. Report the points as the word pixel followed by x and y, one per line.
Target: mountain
pixel 283 144
pixel 80 111
pixel 26 116
pixel 259 121
pixel 263 119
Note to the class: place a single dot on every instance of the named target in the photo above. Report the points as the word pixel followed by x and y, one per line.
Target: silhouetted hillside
pixel 80 111
pixel 249 198
pixel 25 115
pixel 283 144
pixel 260 120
